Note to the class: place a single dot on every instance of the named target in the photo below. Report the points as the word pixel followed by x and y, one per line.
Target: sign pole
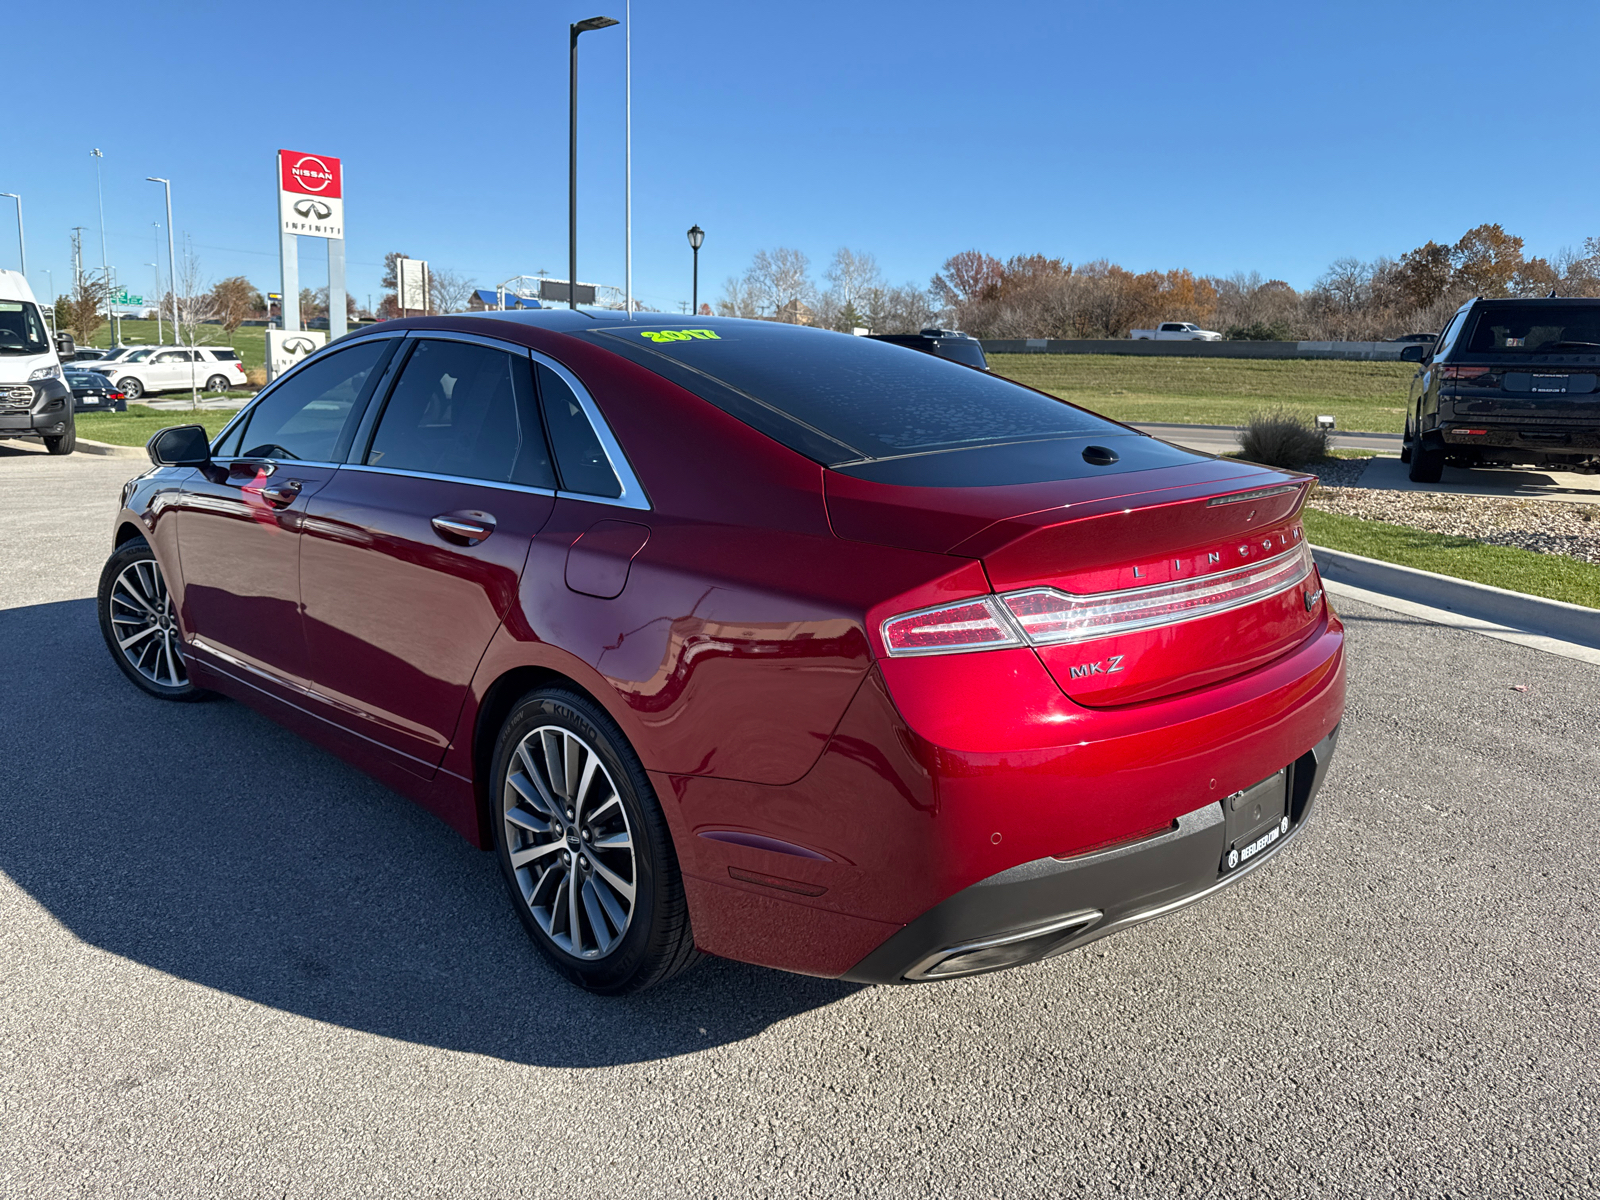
pixel 336 304
pixel 289 257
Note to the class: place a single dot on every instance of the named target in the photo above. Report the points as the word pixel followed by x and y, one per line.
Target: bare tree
pixel 738 298
pixel 235 299
pixel 84 311
pixel 196 305
pixel 448 290
pixel 778 277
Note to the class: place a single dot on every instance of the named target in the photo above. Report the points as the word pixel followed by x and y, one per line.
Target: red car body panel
pixel 821 793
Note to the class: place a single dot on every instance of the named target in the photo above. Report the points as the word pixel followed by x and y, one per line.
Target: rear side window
pixel 1535 329
pixel 465 410
pixel 224 356
pixel 305 416
pixel 584 466
pixel 840 399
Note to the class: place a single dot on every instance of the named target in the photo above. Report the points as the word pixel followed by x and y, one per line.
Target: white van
pixel 35 400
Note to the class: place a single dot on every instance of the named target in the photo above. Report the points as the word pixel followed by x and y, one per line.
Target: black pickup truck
pixel 1508 382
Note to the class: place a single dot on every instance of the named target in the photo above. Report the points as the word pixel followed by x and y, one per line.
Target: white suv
pixel 174 368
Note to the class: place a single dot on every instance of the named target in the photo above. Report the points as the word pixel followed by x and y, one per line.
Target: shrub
pixel 1281 438
pixel 1261 331
pixel 256 376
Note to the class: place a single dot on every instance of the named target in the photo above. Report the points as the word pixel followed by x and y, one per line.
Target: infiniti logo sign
pixel 313 208
pixel 299 345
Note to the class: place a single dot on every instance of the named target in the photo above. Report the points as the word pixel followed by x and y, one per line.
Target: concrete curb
pixel 1478 601
pixel 87 447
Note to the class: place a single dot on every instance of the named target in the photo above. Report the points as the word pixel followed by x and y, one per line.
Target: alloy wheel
pixel 145 624
pixel 569 842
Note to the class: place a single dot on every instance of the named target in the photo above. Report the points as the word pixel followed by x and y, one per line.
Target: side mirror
pixel 180 446
pixel 1415 352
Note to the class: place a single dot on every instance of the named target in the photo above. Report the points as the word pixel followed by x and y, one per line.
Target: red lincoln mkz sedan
pixel 748 639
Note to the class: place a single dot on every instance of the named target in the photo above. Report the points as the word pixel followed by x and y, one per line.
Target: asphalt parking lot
pixel 230 965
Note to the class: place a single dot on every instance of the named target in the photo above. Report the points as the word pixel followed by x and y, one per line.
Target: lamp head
pixel 589 23
pixel 696 236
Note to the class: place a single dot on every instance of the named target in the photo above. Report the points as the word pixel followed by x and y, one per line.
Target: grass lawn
pixel 249 340
pixel 134 427
pixel 1218 391
pixel 1550 575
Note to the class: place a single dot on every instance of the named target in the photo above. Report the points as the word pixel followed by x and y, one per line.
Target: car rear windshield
pixel 1535 329
pixel 840 399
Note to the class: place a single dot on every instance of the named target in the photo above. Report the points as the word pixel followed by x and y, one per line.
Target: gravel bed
pixel 1545 526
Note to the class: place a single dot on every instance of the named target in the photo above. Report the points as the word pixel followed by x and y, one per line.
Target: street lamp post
pixel 105 259
pixel 172 256
pixel 696 236
pixel 572 156
pixel 22 245
pixel 155 228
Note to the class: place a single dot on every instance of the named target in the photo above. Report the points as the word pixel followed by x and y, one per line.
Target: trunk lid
pixel 1131 587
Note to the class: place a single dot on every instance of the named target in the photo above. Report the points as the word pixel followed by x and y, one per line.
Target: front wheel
pixel 140 623
pixel 584 847
pixel 63 443
pixel 131 387
pixel 217 383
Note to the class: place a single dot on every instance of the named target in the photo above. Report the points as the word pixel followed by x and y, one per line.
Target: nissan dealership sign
pixel 310 195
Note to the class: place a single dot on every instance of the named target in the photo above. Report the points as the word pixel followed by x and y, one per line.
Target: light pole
pixel 627 158
pixel 696 236
pixel 22 246
pixel 105 259
pixel 155 228
pixel 172 256
pixel 572 156
pixel 155 270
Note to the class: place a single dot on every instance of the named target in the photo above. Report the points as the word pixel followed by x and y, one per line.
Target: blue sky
pixel 1218 136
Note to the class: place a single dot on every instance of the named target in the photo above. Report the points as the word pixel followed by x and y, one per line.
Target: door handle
pixel 457 527
pixel 281 494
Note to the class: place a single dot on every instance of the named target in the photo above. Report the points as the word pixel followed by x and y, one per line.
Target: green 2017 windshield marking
pixel 677 335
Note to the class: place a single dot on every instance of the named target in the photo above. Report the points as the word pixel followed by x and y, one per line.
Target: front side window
pixel 305 416
pixel 464 410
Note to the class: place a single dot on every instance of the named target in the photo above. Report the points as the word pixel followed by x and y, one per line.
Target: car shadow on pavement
pixel 204 841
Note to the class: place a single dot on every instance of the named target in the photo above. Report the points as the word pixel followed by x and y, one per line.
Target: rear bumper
pixel 1048 906
pixel 1579 440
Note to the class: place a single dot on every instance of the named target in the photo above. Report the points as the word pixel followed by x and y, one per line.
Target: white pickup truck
pixel 1176 331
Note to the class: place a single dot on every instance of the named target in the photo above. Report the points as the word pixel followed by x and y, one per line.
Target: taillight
pixel 1471 432
pixel 1463 372
pixel 116 395
pixel 950 629
pixel 1047 617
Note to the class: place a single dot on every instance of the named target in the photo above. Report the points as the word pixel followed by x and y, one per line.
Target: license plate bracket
pixel 1254 819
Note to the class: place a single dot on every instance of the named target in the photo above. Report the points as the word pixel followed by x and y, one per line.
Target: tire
pixel 217 383
pixel 1405 443
pixel 63 443
pixel 1427 462
pixel 131 387
pixel 611 837
pixel 133 598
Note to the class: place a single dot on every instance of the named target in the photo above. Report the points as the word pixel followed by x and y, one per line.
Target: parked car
pixel 1176 331
pixel 34 398
pixel 749 639
pixel 1416 337
pixel 93 392
pixel 175 368
pixel 946 343
pixel 1508 382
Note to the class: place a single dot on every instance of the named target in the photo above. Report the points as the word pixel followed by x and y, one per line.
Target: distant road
pixel 1224 439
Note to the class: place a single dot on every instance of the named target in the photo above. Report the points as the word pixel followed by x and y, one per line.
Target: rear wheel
pixel 140 623
pixel 217 383
pixel 63 443
pixel 1427 462
pixel 584 847
pixel 131 387
pixel 1405 443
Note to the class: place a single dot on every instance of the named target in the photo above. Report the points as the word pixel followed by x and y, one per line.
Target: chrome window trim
pixel 502 485
pixel 633 495
pixel 230 459
pixel 340 343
